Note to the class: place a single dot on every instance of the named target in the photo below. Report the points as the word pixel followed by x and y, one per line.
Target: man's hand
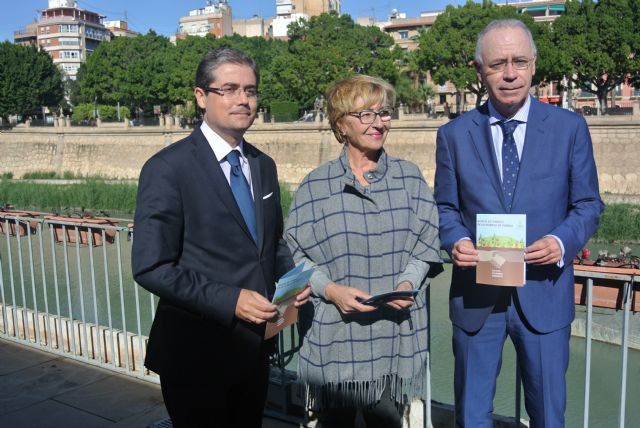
pixel 404 303
pixel 345 298
pixel 254 308
pixel 303 297
pixel 464 253
pixel 545 251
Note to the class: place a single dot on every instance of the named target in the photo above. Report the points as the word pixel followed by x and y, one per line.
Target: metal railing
pixel 66 287
pixel 594 282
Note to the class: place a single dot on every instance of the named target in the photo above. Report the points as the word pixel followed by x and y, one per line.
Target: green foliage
pixel 600 40
pixel 498 241
pixel 83 112
pixel 284 111
pixel 286 198
pixel 6 175
pixel 322 50
pixel 92 194
pixel 135 71
pixel 39 175
pixel 619 222
pixel 28 79
pixel 111 112
pixel 412 95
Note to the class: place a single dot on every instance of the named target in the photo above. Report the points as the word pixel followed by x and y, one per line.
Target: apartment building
pixel 288 11
pixel 214 18
pixel 119 28
pixel 69 34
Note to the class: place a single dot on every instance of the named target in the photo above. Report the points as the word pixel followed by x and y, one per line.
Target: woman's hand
pixel 303 297
pixel 345 298
pixel 403 303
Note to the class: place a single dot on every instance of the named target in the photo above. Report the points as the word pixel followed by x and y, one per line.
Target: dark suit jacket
pixel 557 189
pixel 192 248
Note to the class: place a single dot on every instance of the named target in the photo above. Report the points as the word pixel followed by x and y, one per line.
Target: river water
pixel 112 271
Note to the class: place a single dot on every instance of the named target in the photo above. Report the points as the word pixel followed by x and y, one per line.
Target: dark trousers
pixel 233 400
pixel 543 359
pixel 384 414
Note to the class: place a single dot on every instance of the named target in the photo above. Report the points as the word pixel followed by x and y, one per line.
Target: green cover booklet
pixel 500 241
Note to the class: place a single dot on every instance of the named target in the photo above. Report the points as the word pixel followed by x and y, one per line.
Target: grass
pixel 52 175
pixel 619 222
pixel 92 194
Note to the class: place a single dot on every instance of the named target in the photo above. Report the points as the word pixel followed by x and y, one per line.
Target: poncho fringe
pixel 363 394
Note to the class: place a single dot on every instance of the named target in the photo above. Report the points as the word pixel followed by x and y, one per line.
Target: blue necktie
pixel 510 161
pixel 242 193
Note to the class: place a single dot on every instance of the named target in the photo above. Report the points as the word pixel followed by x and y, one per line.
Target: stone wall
pixel 296 147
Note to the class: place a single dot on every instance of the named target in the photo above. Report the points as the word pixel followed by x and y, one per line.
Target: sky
pixel 162 15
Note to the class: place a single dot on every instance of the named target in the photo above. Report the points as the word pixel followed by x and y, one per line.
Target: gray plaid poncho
pixel 370 237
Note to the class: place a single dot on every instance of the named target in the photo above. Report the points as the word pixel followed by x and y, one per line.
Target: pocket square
pixel 267 196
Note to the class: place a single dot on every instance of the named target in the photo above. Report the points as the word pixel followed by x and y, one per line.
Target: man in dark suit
pixel 543 168
pixel 208 228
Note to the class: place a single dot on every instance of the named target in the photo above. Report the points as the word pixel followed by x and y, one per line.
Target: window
pixel 403 34
pixel 70 68
pixel 94 33
pixel 68 28
pixel 68 41
pixel 69 54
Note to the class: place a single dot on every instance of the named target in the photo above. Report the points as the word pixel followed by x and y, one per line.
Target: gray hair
pixel 217 57
pixel 501 24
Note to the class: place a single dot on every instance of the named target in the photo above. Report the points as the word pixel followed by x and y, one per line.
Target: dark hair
pixel 217 57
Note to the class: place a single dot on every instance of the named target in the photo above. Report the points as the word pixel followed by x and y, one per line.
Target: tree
pixel 598 38
pixel 134 71
pixel 447 49
pixel 324 49
pixel 28 80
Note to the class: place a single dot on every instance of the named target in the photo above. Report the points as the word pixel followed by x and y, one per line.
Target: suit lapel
pixel 483 142
pixel 533 152
pixel 205 157
pixel 256 182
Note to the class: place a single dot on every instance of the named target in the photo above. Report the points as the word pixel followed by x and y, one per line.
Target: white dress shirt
pixel 221 149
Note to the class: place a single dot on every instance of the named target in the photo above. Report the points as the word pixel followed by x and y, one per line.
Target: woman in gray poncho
pixel 368 223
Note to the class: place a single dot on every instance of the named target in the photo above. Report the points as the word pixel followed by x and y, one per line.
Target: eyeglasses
pixel 233 91
pixel 517 63
pixel 367 117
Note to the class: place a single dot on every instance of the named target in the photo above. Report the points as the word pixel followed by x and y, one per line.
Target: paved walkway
pixel 43 390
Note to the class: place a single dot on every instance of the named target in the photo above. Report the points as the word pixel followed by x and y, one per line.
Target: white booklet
pixel 500 241
pixel 288 287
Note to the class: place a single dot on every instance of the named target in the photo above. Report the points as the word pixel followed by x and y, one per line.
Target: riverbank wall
pixel 119 152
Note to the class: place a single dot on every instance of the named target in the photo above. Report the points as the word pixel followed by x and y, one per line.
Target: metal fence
pixel 66 288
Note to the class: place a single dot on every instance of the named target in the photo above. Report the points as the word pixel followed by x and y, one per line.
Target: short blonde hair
pixel 342 98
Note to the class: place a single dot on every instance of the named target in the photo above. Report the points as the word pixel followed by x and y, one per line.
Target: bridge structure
pixel 74 326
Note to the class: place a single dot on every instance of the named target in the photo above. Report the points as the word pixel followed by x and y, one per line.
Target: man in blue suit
pixel 208 229
pixel 546 159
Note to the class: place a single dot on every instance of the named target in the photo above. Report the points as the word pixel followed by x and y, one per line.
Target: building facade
pixel 70 34
pixel 27 36
pixel 119 28
pixel 288 11
pixel 214 18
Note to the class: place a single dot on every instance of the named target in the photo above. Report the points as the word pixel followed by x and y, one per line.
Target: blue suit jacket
pixel 192 248
pixel 557 189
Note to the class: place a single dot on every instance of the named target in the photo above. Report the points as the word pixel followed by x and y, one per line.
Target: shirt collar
pixel 521 116
pixel 219 146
